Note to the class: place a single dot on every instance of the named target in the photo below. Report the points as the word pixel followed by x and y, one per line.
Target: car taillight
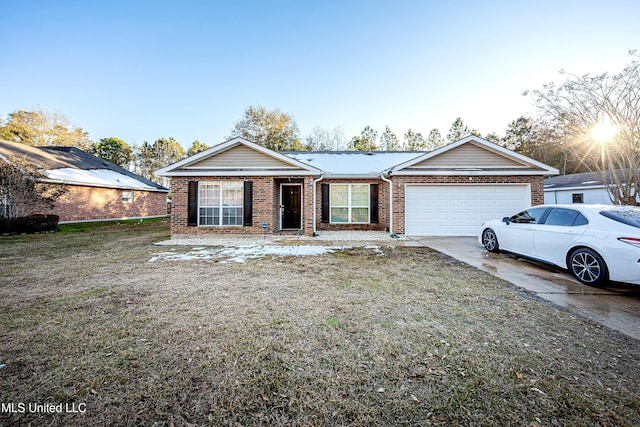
pixel 635 241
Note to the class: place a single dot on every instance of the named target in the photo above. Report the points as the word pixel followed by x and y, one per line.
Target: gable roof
pixel 584 180
pixel 73 166
pixel 238 157
pixel 468 156
pixel 472 155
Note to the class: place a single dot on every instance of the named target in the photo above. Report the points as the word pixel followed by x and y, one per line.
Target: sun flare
pixel 603 131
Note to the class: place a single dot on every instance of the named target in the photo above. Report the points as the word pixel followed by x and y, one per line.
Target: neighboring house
pixel 239 187
pixel 585 187
pixel 97 189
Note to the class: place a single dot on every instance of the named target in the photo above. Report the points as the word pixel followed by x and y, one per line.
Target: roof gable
pixel 473 156
pixel 238 157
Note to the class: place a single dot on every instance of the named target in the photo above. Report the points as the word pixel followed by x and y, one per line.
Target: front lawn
pixel 389 336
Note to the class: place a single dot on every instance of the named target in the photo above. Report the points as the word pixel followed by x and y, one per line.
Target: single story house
pixel 587 187
pixel 96 189
pixel 239 187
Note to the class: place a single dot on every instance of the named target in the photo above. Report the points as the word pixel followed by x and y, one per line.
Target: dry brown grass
pixel 350 338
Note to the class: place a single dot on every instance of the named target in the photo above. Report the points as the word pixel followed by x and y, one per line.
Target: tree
pixel 389 141
pixel 321 139
pixel 272 129
pixel 41 128
pixel 24 190
pixel 161 153
pixel 113 150
pixel 459 130
pixel 580 103
pixel 519 134
pixel 197 147
pixel 493 137
pixel 434 139
pixel 367 141
pixel 413 141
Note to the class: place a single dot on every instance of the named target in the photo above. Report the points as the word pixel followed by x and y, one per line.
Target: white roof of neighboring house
pixel 98 178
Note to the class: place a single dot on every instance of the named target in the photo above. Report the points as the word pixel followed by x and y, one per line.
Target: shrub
pixel 29 224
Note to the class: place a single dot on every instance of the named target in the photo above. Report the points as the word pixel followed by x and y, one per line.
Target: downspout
pixel 390 201
pixel 315 196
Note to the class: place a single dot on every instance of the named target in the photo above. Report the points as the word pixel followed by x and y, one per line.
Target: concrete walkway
pixel 616 306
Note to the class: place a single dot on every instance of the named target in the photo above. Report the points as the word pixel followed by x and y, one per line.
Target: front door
pixel 291 206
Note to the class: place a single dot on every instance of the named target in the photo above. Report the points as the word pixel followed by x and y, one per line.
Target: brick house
pixel 239 187
pixel 96 189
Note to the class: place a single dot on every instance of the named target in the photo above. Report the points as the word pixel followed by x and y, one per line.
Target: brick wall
pixel 266 201
pixel 82 203
pixel 265 208
pixel 399 182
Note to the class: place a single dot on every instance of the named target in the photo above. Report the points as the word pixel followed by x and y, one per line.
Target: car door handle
pixel 570 232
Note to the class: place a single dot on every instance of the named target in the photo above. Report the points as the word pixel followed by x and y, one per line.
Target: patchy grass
pixel 348 338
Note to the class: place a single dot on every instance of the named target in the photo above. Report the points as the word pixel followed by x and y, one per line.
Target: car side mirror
pixel 506 220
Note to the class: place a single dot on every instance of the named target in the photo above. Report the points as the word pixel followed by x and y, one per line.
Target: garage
pixel 458 210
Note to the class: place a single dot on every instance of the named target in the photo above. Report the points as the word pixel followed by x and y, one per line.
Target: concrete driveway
pixel 616 306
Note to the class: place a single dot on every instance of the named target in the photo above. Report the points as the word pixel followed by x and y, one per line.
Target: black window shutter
pixel 325 203
pixel 248 204
pixel 373 203
pixel 192 204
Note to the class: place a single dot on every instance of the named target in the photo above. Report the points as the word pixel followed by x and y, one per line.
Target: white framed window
pixel 220 202
pixel 349 203
pixel 127 197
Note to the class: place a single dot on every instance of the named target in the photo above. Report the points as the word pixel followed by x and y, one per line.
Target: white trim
pixel 490 146
pixel 575 187
pixel 451 172
pixel 238 172
pixel 390 203
pixel 350 206
pixel 281 205
pixel 170 170
pixel 315 203
pixel 221 206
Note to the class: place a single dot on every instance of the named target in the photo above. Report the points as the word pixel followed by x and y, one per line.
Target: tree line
pixel 560 136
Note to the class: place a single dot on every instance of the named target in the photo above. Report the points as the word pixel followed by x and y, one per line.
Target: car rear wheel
pixel 490 240
pixel 588 267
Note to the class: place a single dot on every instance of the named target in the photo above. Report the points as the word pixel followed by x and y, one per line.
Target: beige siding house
pixel 238 187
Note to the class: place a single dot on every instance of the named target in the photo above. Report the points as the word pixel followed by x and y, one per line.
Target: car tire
pixel 490 240
pixel 588 267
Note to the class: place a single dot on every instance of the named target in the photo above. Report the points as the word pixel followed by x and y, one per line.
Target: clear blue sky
pixel 141 70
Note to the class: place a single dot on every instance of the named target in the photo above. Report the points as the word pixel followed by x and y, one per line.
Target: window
pixel 349 203
pixel 565 218
pixel 530 216
pixel 127 197
pixel 578 197
pixel 220 202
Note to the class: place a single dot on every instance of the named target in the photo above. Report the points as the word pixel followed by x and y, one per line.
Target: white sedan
pixel 595 243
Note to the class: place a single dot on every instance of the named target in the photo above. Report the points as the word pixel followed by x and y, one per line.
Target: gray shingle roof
pixel 586 179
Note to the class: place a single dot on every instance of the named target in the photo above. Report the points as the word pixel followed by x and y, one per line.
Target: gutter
pixel 315 181
pixel 390 200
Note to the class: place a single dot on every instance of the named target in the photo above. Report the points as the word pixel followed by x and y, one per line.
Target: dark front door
pixel 291 207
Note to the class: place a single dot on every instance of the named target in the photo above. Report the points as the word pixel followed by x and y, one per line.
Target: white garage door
pixel 458 210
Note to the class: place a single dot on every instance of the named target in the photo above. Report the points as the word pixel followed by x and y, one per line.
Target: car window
pixel 530 216
pixel 565 217
pixel 625 214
